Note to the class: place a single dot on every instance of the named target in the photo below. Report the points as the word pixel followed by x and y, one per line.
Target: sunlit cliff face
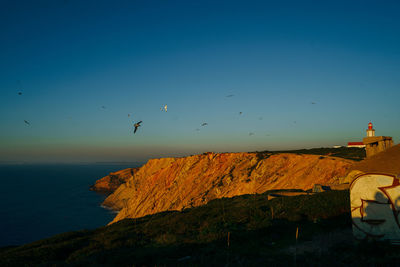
pixel 178 183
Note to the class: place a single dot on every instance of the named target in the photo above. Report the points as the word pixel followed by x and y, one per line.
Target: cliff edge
pixel 179 183
pixel 111 182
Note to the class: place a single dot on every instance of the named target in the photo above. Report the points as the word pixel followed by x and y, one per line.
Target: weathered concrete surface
pixel 178 183
pixel 377 144
pixel 375 204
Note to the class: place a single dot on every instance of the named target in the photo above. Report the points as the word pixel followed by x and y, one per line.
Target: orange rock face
pixel 177 183
pixel 112 181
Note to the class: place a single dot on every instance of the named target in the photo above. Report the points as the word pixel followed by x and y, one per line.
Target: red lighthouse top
pixel 370 126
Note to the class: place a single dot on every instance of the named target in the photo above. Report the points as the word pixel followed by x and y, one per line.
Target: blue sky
pixel 69 58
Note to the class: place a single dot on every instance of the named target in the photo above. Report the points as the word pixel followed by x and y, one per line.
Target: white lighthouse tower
pixel 370 130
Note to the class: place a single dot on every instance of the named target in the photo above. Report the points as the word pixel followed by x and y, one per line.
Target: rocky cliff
pixel 112 181
pixel 178 183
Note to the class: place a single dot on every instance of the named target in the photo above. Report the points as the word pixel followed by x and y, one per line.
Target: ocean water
pixel 39 201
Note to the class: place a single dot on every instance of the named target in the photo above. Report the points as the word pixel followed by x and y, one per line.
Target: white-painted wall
pixel 375 202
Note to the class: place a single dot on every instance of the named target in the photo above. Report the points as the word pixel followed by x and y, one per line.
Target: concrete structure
pixel 375 207
pixel 375 144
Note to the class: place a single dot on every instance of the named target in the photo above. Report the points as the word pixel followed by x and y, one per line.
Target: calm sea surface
pixel 38 201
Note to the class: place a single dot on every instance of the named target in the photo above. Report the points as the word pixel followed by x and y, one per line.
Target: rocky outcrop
pixel 178 183
pixel 111 182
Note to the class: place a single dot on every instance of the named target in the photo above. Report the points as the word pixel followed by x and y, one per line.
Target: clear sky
pixel 303 73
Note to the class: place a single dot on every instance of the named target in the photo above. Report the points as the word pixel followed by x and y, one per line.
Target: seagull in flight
pixel 27 122
pixel 136 125
pixel 313 103
pixel 204 124
pixel 20 87
pixel 230 95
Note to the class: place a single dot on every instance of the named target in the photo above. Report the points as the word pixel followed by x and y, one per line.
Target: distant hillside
pixel 352 153
pixel 177 183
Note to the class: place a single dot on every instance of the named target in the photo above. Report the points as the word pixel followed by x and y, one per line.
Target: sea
pixel 39 201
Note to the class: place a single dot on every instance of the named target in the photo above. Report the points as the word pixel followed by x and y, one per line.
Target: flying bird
pixel 136 125
pixel 230 95
pixel 313 103
pixel 204 124
pixel 164 108
pixel 251 134
pixel 19 87
pixel 27 122
pixel 240 113
pixel 103 107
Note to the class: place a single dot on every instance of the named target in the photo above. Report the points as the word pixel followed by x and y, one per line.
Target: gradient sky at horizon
pixel 69 58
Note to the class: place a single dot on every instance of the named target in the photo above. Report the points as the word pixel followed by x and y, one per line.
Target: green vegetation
pixel 353 153
pixel 247 230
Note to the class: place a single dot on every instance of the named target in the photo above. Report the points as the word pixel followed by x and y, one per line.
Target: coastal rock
pixel 111 182
pixel 178 183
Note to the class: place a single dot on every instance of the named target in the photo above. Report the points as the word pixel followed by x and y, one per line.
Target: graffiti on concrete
pixel 375 207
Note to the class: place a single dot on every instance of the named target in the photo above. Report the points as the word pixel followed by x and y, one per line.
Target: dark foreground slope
pixel 246 230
